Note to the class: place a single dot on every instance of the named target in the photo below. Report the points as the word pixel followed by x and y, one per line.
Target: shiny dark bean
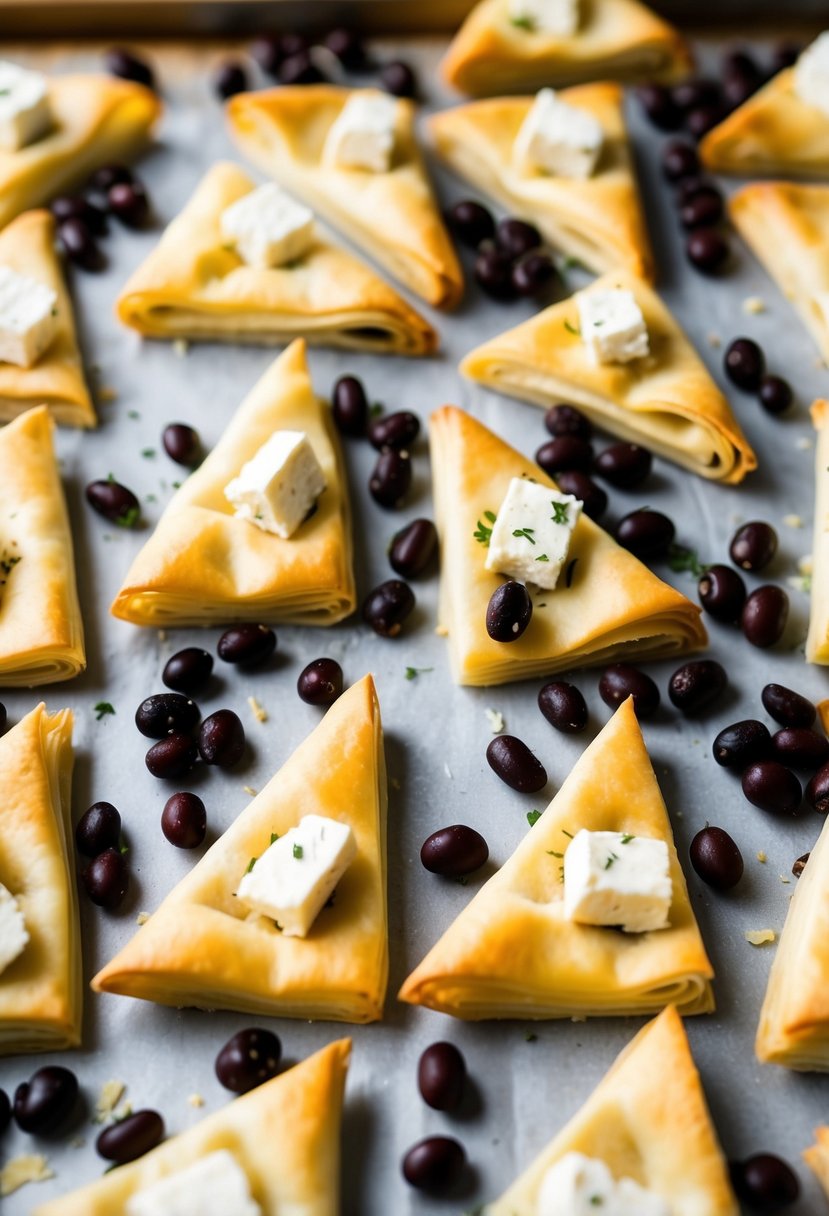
pixel 565 453
pixel 787 707
pixel 703 119
pixel 707 250
pixel 78 243
pixel 441 1076
pixel 696 685
pixel 181 443
pixel 299 69
pixel 348 46
pixel 772 787
pixel 454 852
pixel 716 859
pixel 434 1164
pixel 753 546
pixel 621 680
pixel 470 223
pixel 106 879
pixel 704 209
pixel 46 1100
pixel 645 533
pixel 800 865
pixel 493 272
pixel 517 237
pixel 592 496
pixel 690 187
pixel 817 791
pixel 785 54
pixel 5 1111
pixel 389 483
pixel 115 502
pixel 165 713
pixel 387 607
pixel 321 682
pixel 800 747
pixel 108 175
pixel 624 465
pixel 247 645
pixel 3 717
pixel 128 202
pixel 742 744
pixel 350 406
pixel 765 1182
pixel 512 761
pixel 509 612
pixel 398 430
pixel 222 739
pixel 696 91
pixel 533 273
pixel 98 829
pixel 230 78
pixel 123 63
pixel 738 87
pixel 398 78
pixel 658 103
pixel 131 1137
pixel 248 1059
pixel 413 548
pixel 764 616
pixel 679 159
pixel 171 757
pixel 739 61
pixel 563 706
pixel 184 820
pixel 567 420
pixel 267 52
pixel 745 364
pixel 722 593
pixel 188 670
pixel 775 395
pixel 76 206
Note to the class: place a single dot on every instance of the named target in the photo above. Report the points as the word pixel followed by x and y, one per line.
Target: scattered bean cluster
pixel 510 258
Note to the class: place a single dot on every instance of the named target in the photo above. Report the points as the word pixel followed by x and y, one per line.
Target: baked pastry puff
pixel 27 246
pixel 392 215
pixel 817 639
pixel 817 1158
pixel 195 286
pixel 666 400
pixel 574 625
pixel 98 120
pixel 41 631
pixel 204 948
pixel 646 1120
pixel 597 219
pixel 512 952
pixel 203 564
pixel 283 1135
pixel 494 52
pixel 40 990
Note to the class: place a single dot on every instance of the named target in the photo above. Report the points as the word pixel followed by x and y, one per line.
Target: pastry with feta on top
pixel 249 264
pixel 25 110
pixel 14 936
pixel 817 639
pixel 211 560
pixel 273 1151
pixel 531 534
pixel 817 1158
pixel 618 880
pixel 300 136
pixel 516 950
pixel 253 926
pixel 637 375
pixel 562 161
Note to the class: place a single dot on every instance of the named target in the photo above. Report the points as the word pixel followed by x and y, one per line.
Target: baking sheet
pixel 436 734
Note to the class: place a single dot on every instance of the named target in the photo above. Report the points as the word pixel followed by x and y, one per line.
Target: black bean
pixel 171 757
pixel 658 103
pixel 787 707
pixel 441 1076
pixel 348 46
pixel 563 706
pixel 624 465
pixel 299 69
pixel 817 791
pixel 115 502
pixel 740 62
pixel 722 593
pixel 5 1111
pixel 434 1164
pixel 165 713
pixel 509 612
pixel 696 685
pixel 800 747
pixel 567 420
pixel 454 852
pixel 753 545
pixel 98 829
pixel 512 761
pixel 704 209
pixel 349 405
pixel 703 119
pixel 764 616
pixel 268 51
pixel 399 79
pixel 182 444
pixel 222 739
pixel 387 607
pixel 745 364
pixel 248 1059
pixel 690 187
pixel 78 243
pixel 707 250
pixel 621 680
pixel 493 272
pixel 3 717
pixel 566 452
pixel 738 87
pixel 247 645
pixel 765 1182
pixel 645 533
pixel 679 159
pixel 775 395
pixel 109 175
pixel 716 858
pixel 471 223
pixel 517 237
pixel 321 682
pixel 184 820
pixel 230 78
pixel 128 202
pixel 695 92
pixel 800 865
pixel 131 1137
pixel 121 62
pixel 46 1100
pixel 742 744
pixel 772 788
pixel 107 879
pixel 188 670
pixel 398 430
pixel 77 207
pixel 413 548
pixel 391 479
pixel 592 496
pixel 533 273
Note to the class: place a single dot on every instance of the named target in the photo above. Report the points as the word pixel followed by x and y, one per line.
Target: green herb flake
pixel 412 673
pixel 572 329
pixel 134 414
pixel 569 835
pixel 483 533
pixel 148 453
pixel 102 709
pixel 298 852
pixel 526 533
pixel 626 839
pixel 553 853
pixel 530 1037
pixel 129 518
pixel 533 818
pixel 376 409
pixel 274 837
pixel 682 561
pixel 613 857
pixel 560 515
pixel 542 557
pixel 523 23
pixel 251 864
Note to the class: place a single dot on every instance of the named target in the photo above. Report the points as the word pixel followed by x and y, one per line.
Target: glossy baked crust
pixel 512 953
pixel 608 605
pixel 40 992
pixel 617 40
pixel 27 245
pixel 817 1158
pixel 393 216
pixel 194 286
pixel 647 1120
pixel 285 1135
pixel 41 631
pixel 98 120
pixel 786 225
pixel 666 401
pixel 203 948
pixel 774 133
pixel 204 565
pixel 817 639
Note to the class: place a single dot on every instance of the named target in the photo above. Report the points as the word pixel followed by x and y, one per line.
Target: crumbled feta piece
pixel 811 74
pixel 580 1186
pixel 496 720
pixel 268 227
pixel 558 138
pixel 25 110
pixel 214 1186
pixel 14 936
pixel 560 18
pixel 612 326
pixel 20 1171
pixel 531 535
pixel 614 878
pixel 760 937
pixel 293 879
pixel 278 487
pixel 753 305
pixel 258 710
pixel 111 1094
pixel 28 318
pixel 362 136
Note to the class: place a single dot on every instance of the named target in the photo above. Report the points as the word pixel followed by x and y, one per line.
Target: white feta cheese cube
pixel 214 1186
pixel 558 138
pixel 28 318
pixel 616 879
pixel 578 1185
pixel 558 18
pixel 278 487
pixel 14 936
pixel 531 535
pixel 811 74
pixel 612 326
pixel 362 136
pixel 25 109
pixel 268 227
pixel 294 879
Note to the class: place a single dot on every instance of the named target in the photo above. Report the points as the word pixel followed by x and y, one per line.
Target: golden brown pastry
pixel 204 564
pixel 817 639
pixel 512 953
pixel 817 1158
pixel 393 215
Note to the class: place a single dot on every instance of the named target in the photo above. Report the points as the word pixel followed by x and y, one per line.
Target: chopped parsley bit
pixel 102 709
pixel 274 837
pixel 572 329
pixel 376 409
pixel 527 534
pixel 251 864
pixel 596 1201
pixel 523 23
pixel 148 453
pixel 482 533
pixel 7 563
pixel 298 851
pixel 569 835
pixel 568 574
pixel 176 485
pixel 613 857
pixel 571 263
pixel 682 560
pixel 553 853
pixel 134 414
pixel 542 557
pixel 530 1037
pixel 151 498
pixel 533 818
pixel 413 672
pixel 626 839
pixel 560 513
pixel 129 519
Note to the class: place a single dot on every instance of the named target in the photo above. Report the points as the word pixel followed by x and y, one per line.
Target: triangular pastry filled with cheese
pixel 257 926
pixel 817 639
pixel 608 931
pixel 817 1158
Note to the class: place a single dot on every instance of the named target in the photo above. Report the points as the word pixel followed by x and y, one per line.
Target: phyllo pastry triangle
pixel 817 1158
pixel 817 639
